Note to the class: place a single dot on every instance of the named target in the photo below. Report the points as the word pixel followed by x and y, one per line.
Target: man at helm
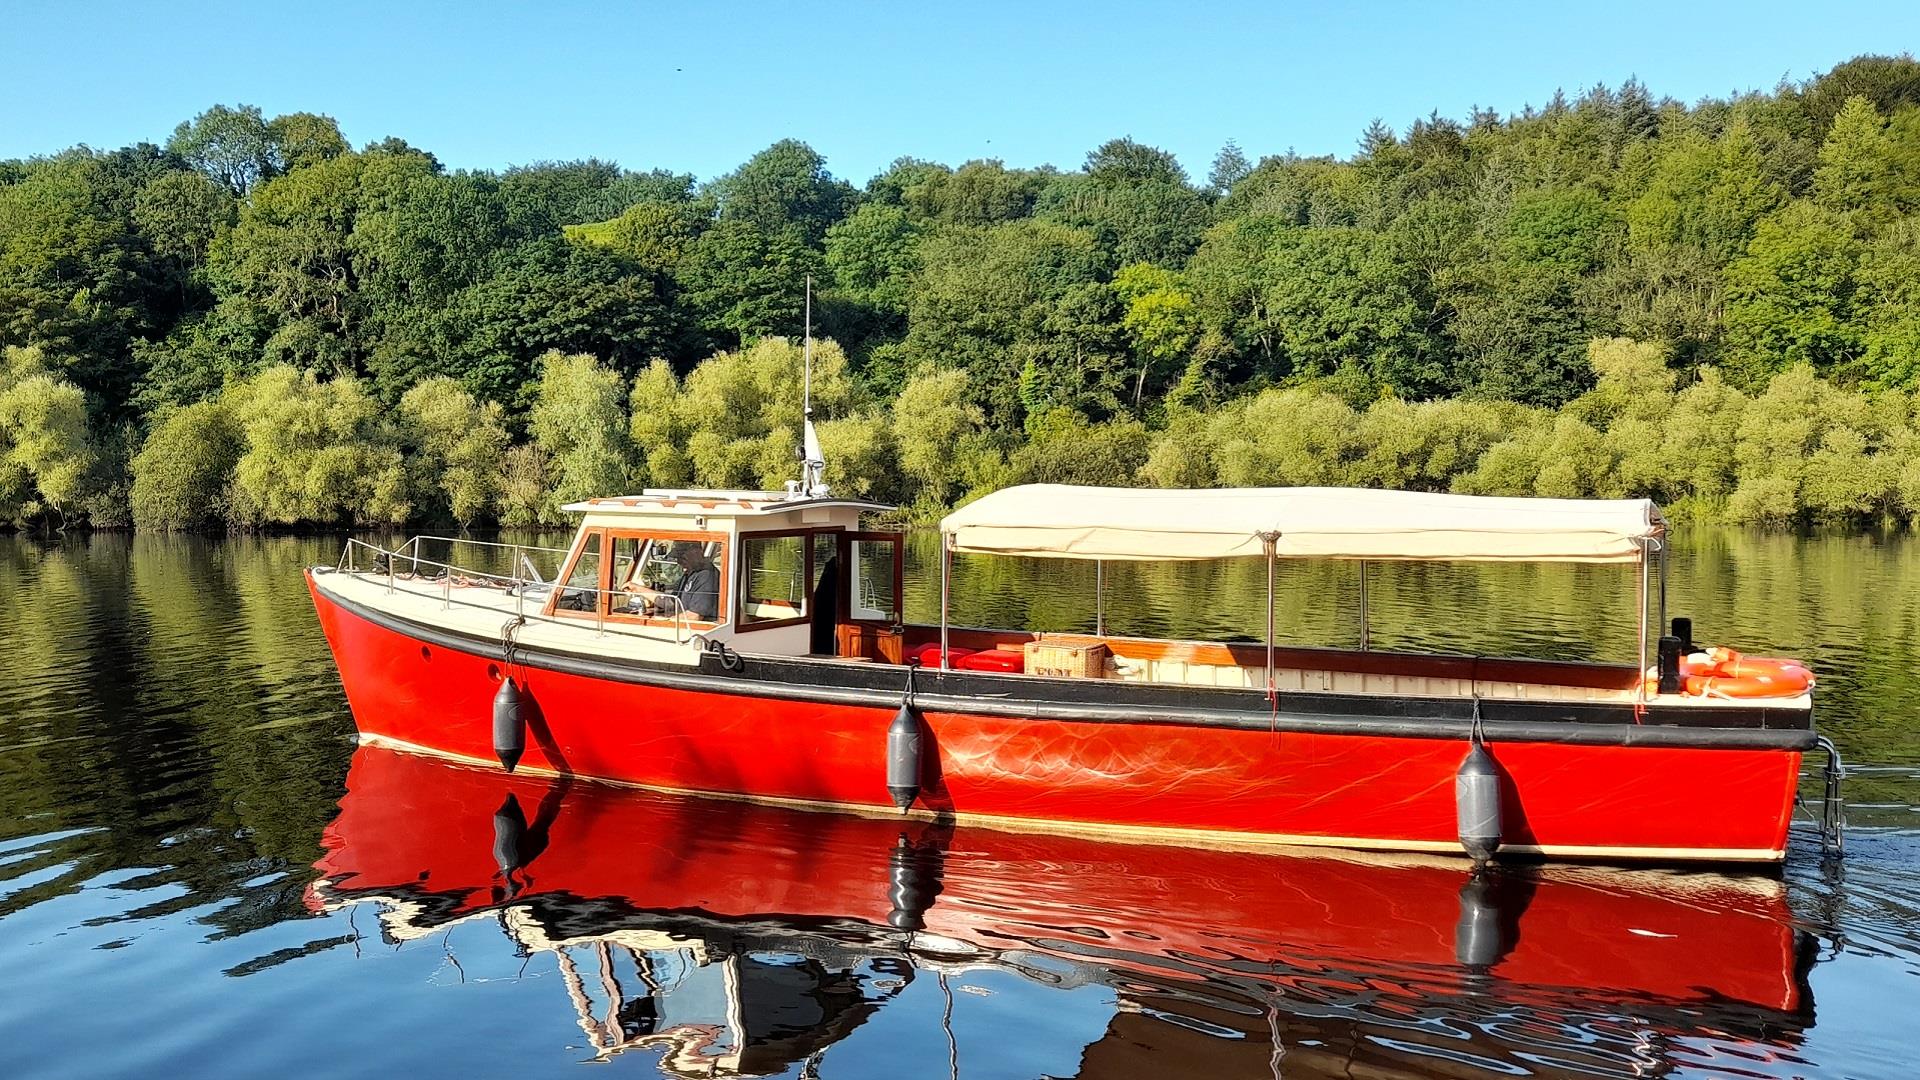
pixel 698 593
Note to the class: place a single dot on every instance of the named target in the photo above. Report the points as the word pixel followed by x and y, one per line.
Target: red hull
pixel 1167 780
pixel 1328 927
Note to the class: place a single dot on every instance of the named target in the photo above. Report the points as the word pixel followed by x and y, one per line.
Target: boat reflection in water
pixel 737 939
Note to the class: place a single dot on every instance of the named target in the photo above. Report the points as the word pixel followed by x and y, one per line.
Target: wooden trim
pixel 871 640
pixel 552 607
pixel 1373 662
pixel 614 535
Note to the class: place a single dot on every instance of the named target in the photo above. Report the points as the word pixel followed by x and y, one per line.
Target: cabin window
pixel 875 594
pixel 666 578
pixel 776 576
pixel 582 588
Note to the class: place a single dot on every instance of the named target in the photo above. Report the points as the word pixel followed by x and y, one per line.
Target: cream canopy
pixel 1064 521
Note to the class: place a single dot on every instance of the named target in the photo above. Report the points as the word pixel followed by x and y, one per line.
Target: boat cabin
pixel 775 573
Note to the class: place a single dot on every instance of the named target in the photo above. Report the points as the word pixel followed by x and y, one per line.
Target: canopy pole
pixel 1366 625
pixel 1267 541
pixel 1641 680
pixel 946 588
pixel 1100 598
pixel 1661 626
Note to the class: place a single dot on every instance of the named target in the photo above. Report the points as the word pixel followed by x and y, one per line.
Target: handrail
pixel 512 582
pixel 679 617
pixel 489 543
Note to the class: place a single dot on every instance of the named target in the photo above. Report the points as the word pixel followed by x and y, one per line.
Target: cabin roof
pixel 1063 521
pixel 711 503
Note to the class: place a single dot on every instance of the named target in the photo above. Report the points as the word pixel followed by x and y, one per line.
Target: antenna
pixel 806 356
pixel 813 466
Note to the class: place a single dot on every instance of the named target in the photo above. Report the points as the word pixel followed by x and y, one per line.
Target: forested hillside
pixel 251 323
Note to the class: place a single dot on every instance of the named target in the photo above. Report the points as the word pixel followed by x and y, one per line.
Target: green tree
pixel 579 421
pixel 234 146
pixel 526 478
pixel 1428 445
pixel 457 443
pixel 73 276
pixel 861 458
pixel 784 187
pixel 45 456
pixel 1065 448
pixel 1885 82
pixel 544 197
pixel 303 139
pixel 658 433
pixel 1697 440
pixel 1304 301
pixel 316 452
pixel 1078 359
pixel 874 255
pixel 1161 319
pixel 934 421
pixel 183 471
pixel 984 292
pixel 1789 301
pixel 1230 166
pixel 742 410
pixel 654 236
pixel 1887 305
pixel 978 193
pixel 547 295
pixel 179 214
pixel 1705 195
pixel 291 255
pixel 419 238
pixel 745 282
pixel 1135 201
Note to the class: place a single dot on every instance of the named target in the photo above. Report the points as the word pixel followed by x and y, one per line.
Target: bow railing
pixel 507 569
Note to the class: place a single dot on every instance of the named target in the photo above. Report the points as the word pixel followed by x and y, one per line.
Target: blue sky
pixel 700 87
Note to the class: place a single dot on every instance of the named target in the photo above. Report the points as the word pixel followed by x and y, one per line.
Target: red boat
pixel 748 938
pixel 752 645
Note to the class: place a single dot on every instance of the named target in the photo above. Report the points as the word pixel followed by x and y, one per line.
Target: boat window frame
pixel 562 582
pixel 740 623
pixel 876 536
pixel 615 534
pixel 612 534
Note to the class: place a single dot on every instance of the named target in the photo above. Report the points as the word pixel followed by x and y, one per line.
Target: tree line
pixel 1716 304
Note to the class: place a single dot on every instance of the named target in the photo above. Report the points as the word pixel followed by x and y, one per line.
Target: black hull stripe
pixel 716 682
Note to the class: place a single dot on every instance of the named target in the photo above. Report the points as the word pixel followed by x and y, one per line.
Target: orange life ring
pixel 1745 686
pixel 1724 673
pixel 1732 665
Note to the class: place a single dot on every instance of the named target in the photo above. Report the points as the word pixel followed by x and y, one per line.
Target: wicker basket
pixel 1067 661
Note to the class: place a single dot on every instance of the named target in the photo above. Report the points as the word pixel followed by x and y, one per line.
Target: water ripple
pixel 185 833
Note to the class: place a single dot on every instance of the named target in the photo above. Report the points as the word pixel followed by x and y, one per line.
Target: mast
pixel 806 358
pixel 813 466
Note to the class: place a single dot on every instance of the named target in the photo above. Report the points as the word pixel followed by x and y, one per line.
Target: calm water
pixel 200 876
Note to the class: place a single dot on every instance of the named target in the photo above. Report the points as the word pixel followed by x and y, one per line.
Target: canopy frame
pixel 1631 531
pixel 1104 524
